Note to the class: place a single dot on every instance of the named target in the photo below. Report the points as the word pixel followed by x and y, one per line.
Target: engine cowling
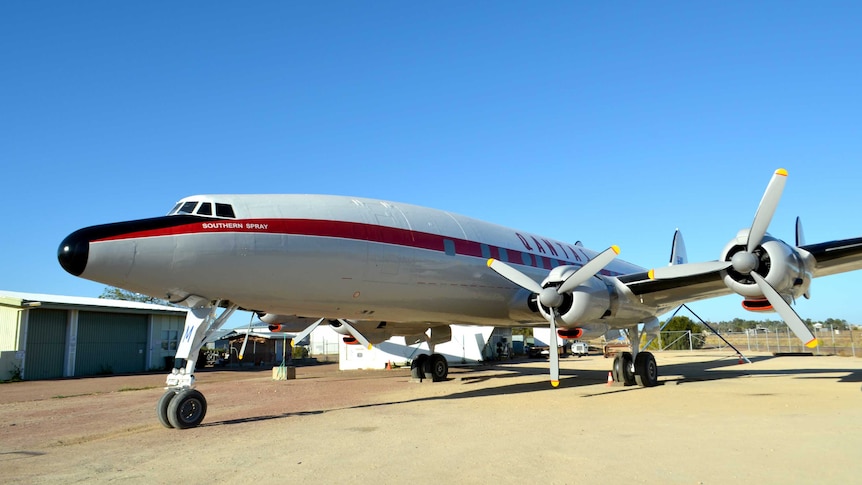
pixel 783 267
pixel 587 303
pixel 285 323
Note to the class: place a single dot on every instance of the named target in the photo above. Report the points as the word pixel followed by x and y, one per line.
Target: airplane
pixel 375 269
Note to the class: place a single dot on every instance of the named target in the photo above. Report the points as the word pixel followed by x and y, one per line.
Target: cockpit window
pixel 203 209
pixel 187 208
pixel 224 210
pixel 206 209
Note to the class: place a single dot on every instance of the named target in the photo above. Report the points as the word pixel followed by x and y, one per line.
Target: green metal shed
pixel 51 336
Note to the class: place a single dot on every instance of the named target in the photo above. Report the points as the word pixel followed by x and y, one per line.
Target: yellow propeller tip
pixel 812 344
pixel 781 171
pixel 490 262
pixel 651 274
pixel 555 383
pixel 616 248
pixel 370 346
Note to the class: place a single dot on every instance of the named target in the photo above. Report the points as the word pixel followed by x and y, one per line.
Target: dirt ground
pixel 778 419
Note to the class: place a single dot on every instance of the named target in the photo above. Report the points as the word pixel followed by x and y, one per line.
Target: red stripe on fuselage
pixel 344 230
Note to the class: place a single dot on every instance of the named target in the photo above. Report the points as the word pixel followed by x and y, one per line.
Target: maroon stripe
pixel 343 230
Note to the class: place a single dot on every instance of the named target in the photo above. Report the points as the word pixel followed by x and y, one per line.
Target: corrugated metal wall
pixel 9 328
pixel 46 344
pixel 110 343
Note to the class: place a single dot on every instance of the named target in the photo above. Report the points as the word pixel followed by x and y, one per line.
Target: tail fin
pixel 677 252
pixel 800 234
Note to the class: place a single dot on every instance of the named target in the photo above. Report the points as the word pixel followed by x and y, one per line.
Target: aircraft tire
pixel 646 370
pixel 623 369
pixel 187 409
pixel 615 369
pixel 417 367
pixel 437 368
pixel 162 407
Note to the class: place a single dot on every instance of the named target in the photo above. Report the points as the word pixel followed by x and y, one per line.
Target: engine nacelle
pixel 285 323
pixel 588 302
pixel 781 265
pixel 374 332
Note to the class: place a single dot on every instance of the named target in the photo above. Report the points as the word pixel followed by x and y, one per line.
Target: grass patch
pixel 126 389
pixel 64 396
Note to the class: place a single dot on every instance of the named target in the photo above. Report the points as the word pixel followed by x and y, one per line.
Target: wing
pixel 836 256
pixel 675 291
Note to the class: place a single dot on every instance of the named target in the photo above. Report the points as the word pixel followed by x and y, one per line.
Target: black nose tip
pixel 73 253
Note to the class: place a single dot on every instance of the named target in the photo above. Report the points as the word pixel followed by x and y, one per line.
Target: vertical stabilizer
pixel 800 235
pixel 677 251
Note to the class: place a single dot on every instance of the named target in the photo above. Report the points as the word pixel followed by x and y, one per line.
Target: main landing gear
pixel 182 406
pixel 635 368
pixel 432 366
pixel 641 370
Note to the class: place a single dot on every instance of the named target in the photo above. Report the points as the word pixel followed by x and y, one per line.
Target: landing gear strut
pixel 182 406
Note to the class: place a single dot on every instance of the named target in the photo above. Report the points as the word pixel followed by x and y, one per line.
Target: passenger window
pixel 449 247
pixel 187 208
pixel 206 209
pixel 224 210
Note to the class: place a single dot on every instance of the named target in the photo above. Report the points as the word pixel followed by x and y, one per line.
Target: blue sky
pixel 606 122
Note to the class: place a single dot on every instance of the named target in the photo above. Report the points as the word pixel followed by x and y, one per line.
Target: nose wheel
pixel 181 409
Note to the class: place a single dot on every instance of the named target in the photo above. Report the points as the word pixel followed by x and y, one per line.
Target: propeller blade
pixel 301 335
pixel 514 276
pixel 589 270
pixel 555 352
pixel 766 209
pixel 358 336
pixel 242 349
pixel 245 340
pixel 790 317
pixel 688 269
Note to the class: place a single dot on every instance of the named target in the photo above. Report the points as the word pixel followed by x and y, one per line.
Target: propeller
pixel 746 262
pixel 552 297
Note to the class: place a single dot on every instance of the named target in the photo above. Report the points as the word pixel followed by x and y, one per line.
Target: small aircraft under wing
pixel 374 269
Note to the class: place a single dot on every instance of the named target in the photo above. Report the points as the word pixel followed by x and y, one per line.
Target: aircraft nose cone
pixel 73 253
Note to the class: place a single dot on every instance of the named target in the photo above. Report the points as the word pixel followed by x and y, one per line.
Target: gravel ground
pixel 779 419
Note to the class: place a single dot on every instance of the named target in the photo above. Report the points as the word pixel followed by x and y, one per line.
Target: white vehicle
pixel 374 269
pixel 580 349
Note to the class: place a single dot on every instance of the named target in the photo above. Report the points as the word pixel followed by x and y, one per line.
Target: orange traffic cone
pixel 610 378
pixel 740 359
pixel 389 365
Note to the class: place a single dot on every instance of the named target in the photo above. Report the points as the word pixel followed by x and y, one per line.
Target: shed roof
pixel 19 299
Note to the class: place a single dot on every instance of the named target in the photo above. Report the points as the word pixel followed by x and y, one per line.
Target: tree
pixel 681 324
pixel 113 293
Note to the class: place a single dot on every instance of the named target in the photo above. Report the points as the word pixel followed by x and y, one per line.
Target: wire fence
pixel 830 341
